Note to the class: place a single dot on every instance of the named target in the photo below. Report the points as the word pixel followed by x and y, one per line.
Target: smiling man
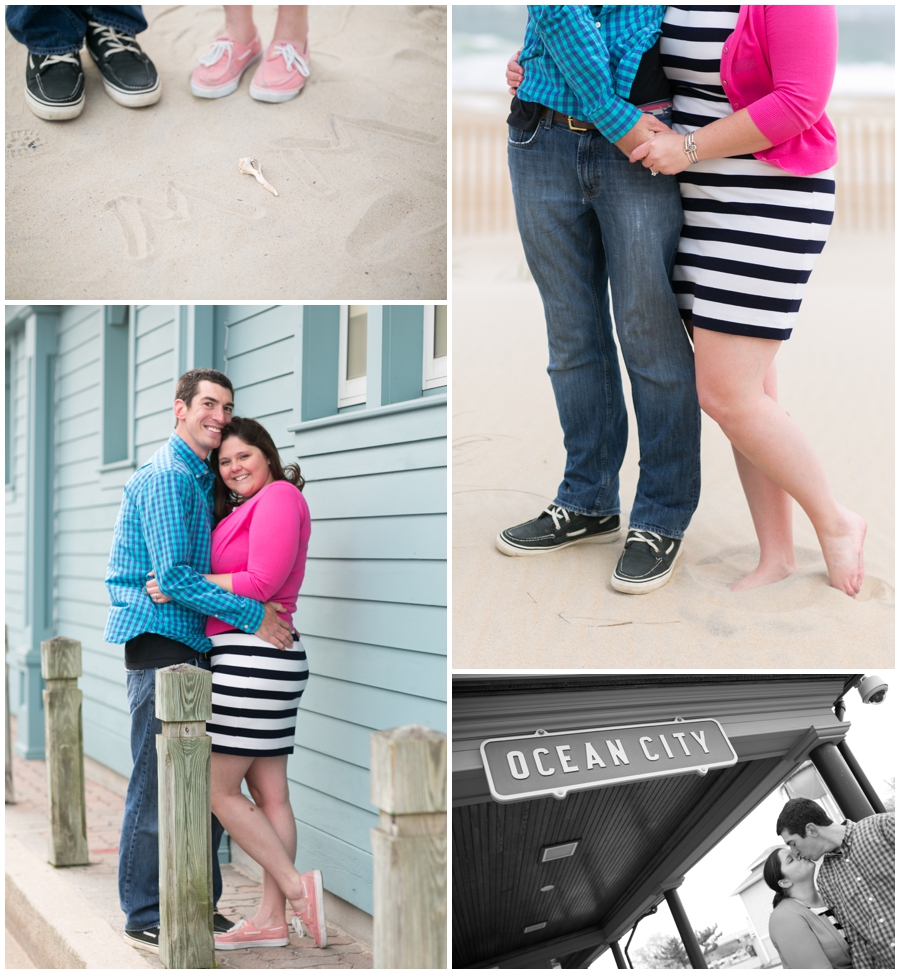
pixel 856 878
pixel 164 527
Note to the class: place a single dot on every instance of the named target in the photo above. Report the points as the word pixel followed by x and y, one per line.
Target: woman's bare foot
pixel 843 551
pixel 765 575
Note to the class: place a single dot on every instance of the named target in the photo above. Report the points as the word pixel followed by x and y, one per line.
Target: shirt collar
pixel 844 848
pixel 185 453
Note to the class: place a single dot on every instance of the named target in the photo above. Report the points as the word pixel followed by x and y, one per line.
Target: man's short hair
pixel 189 384
pixel 798 813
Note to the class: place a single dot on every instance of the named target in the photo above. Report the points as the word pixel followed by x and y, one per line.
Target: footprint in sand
pixel 24 142
pixel 141 217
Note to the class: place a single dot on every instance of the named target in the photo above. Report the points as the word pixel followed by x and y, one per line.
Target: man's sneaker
pixel 219 72
pixel 221 924
pixel 555 528
pixel 646 563
pixel 145 939
pixel 54 86
pixel 281 73
pixel 128 74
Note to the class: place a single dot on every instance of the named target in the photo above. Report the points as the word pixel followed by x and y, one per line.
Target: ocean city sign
pixel 543 764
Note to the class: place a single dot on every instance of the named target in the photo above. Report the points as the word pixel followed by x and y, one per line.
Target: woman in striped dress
pixel 754 153
pixel 258 550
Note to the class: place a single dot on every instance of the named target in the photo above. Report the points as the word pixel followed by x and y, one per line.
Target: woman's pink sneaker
pixel 313 915
pixel 219 72
pixel 245 934
pixel 281 73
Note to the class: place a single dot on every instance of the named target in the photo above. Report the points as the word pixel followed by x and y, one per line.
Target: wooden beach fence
pixel 184 749
pixel 409 789
pixel 64 746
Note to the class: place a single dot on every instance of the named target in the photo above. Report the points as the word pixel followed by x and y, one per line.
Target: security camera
pixel 872 689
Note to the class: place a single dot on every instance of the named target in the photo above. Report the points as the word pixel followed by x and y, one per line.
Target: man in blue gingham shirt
pixel 594 226
pixel 582 61
pixel 164 527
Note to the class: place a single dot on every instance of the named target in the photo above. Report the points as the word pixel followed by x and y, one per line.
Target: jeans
pixel 60 30
pixel 589 219
pixel 139 843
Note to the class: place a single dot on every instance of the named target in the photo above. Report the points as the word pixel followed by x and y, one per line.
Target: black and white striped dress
pixel 256 690
pixel 752 231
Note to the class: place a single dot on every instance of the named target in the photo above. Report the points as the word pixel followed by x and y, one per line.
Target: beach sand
pixel 149 203
pixel 836 377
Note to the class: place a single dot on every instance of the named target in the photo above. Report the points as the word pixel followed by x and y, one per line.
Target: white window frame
pixel 350 391
pixel 434 370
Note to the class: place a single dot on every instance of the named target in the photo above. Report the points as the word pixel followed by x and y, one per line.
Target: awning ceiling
pixel 636 839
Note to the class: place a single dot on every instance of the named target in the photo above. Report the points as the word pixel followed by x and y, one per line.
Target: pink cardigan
pixel 262 545
pixel 779 64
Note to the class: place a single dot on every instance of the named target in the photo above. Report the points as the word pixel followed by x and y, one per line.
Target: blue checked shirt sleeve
pixel 572 39
pixel 164 521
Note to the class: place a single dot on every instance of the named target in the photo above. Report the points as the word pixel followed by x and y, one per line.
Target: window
pixel 116 411
pixel 434 366
pixel 352 355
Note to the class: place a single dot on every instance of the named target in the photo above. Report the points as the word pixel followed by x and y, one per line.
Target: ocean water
pixel 485 37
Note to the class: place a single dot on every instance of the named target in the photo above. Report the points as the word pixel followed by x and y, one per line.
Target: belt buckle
pixel 572 128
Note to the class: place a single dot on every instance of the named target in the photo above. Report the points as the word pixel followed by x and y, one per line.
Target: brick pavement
pixel 97 883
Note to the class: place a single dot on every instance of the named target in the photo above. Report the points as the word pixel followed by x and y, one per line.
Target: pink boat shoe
pixel 281 73
pixel 219 72
pixel 245 934
pixel 312 916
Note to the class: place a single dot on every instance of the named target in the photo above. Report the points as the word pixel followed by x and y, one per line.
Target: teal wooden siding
pixel 372 612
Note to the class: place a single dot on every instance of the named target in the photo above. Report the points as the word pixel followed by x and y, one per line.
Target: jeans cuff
pixel 656 529
pixel 68 49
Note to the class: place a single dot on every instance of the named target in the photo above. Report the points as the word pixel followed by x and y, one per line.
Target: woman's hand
pixel 663 153
pixel 152 589
pixel 514 74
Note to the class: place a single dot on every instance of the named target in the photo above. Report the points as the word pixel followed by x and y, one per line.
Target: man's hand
pixel 644 129
pixel 274 630
pixel 514 74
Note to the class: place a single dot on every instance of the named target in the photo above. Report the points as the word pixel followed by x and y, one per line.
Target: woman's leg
pixel 292 26
pixel 239 23
pixel 249 826
pixel 771 510
pixel 731 372
pixel 267 781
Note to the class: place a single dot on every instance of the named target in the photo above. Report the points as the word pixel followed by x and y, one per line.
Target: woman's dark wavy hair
pixel 772 872
pixel 253 434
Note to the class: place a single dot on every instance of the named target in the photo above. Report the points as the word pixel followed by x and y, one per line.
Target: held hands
pixel 514 74
pixel 663 152
pixel 274 630
pixel 152 589
pixel 646 127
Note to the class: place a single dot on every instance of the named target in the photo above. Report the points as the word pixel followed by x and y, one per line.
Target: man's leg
pixel 640 217
pixel 139 843
pixel 562 241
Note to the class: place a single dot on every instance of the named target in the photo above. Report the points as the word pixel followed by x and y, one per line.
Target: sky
pixel 706 891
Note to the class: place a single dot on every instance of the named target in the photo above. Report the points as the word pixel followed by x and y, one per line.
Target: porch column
pixel 685 930
pixel 840 781
pixel 860 776
pixel 619 956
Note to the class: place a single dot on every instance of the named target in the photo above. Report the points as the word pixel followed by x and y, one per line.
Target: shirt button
pixel 596 23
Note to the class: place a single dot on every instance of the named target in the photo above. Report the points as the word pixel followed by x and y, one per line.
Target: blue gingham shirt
pixel 582 61
pixel 164 526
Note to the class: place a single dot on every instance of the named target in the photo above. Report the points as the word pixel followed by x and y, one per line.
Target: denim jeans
pixel 60 30
pixel 139 843
pixel 591 220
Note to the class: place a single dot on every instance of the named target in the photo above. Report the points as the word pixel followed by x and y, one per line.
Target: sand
pixel 559 610
pixel 149 204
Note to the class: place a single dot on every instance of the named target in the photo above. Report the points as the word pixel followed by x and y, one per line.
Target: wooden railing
pixel 482 199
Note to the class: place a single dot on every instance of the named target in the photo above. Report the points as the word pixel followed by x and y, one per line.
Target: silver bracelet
pixel 690 147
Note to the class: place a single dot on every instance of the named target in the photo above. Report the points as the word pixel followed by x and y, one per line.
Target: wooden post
pixel 184 704
pixel 409 789
pixel 61 667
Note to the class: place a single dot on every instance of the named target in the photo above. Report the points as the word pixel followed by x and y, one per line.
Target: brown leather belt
pixel 574 124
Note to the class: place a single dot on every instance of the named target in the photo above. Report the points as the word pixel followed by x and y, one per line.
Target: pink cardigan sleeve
pixel 802 48
pixel 274 537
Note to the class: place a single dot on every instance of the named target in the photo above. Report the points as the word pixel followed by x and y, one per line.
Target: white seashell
pixel 252 168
